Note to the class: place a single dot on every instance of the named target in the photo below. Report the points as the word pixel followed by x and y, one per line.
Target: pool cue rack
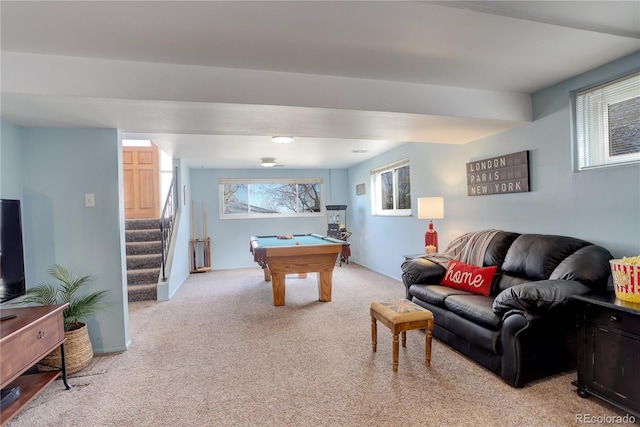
pixel 200 248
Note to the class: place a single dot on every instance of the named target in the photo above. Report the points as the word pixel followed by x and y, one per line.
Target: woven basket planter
pixel 78 351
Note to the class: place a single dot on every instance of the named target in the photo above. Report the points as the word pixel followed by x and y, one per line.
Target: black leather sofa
pixel 525 329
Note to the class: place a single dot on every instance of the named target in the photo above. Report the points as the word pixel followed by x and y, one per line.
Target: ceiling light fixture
pixel 268 162
pixel 282 139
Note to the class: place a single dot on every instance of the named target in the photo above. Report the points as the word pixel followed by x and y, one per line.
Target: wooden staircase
pixel 144 258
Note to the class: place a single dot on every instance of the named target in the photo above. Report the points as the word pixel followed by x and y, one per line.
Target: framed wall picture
pixel 361 189
pixel 499 175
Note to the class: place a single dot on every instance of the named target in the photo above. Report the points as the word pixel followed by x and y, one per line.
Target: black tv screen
pixel 12 280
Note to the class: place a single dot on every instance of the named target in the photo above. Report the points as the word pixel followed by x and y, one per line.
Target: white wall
pixel 601 206
pixel 27 73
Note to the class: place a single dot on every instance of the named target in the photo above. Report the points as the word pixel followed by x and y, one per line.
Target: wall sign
pixel 499 175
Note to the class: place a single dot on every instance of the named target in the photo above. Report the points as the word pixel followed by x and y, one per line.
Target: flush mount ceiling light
pixel 268 162
pixel 282 139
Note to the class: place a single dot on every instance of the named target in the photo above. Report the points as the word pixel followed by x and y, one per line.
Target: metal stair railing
pixel 167 220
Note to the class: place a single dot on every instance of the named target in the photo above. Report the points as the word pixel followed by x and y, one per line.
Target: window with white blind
pixel 270 198
pixel 608 123
pixel 391 189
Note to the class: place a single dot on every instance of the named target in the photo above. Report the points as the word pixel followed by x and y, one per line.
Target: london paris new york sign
pixel 499 175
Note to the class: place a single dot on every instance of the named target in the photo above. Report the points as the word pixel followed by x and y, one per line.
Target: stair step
pixel 144 258
pixel 142 293
pixel 135 262
pixel 143 276
pixel 142 235
pixel 142 224
pixel 142 248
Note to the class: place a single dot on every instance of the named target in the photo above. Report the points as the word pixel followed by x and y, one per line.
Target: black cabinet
pixel 609 350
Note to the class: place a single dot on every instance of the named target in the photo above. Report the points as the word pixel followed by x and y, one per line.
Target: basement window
pixel 267 198
pixel 391 189
pixel 608 123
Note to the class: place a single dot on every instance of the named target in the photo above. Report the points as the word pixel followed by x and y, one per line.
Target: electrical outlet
pixel 89 201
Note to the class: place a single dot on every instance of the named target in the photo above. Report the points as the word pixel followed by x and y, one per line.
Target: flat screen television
pixel 12 279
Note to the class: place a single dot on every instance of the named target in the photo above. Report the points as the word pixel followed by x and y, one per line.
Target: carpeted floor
pixel 221 354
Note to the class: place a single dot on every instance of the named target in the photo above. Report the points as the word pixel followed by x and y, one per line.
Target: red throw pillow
pixel 469 277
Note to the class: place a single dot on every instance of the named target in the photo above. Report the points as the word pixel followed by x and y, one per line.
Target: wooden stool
pixel 401 316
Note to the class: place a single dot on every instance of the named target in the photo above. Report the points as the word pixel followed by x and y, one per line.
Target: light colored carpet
pixel 221 354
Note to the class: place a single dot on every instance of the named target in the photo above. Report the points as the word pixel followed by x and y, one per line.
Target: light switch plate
pixel 89 201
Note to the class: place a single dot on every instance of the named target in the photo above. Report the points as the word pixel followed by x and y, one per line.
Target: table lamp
pixel 431 208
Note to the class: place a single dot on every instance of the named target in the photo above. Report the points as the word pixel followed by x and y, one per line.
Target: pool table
pixel 301 253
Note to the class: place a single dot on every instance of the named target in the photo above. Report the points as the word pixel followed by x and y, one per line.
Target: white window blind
pixel 608 123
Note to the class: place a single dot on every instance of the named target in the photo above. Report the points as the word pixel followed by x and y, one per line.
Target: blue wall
pixel 11 158
pixel 57 167
pixel 178 265
pixel 378 242
pixel 601 206
pixel 230 237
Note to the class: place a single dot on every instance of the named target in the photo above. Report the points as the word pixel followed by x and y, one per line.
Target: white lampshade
pixel 430 207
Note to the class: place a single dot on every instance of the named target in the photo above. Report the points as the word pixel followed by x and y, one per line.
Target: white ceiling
pixel 211 81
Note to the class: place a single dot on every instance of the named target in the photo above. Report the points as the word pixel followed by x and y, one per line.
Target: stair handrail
pixel 167 220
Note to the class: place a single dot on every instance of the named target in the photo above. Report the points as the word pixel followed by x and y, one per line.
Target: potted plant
pixel 78 348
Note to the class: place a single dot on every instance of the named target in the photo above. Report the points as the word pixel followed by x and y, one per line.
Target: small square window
pixel 391 189
pixel 608 123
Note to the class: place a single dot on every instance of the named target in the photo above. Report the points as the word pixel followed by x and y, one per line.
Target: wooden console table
pixel 25 339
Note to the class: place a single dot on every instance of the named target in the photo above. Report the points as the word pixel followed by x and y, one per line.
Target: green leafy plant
pixel 80 306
